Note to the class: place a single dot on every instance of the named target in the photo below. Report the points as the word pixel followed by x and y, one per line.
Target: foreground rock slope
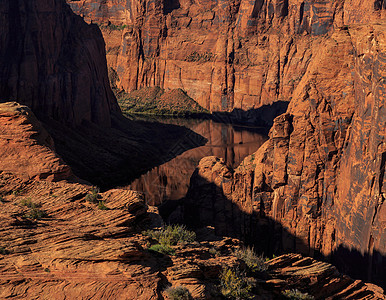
pixel 57 244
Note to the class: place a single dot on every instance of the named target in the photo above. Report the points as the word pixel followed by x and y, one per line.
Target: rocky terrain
pixel 317 186
pixel 52 61
pixel 226 55
pixel 55 63
pixel 57 242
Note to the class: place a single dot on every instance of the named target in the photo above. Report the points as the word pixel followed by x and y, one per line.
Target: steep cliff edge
pixel 53 62
pixel 59 241
pixel 226 55
pixel 317 185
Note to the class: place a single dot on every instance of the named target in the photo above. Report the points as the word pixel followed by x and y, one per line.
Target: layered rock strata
pixel 53 62
pixel 317 185
pixel 60 240
pixel 226 55
pixel 26 148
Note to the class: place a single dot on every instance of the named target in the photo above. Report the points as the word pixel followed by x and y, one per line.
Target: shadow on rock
pixel 109 157
pixel 206 205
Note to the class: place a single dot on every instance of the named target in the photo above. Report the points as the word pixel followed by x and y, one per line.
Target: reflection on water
pixel 170 181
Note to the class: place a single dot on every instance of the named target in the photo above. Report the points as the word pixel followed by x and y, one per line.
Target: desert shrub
pixel 171 235
pixel 93 196
pixel 1 199
pixel 214 252
pixel 295 294
pixel 35 214
pixel 234 284
pixel 179 293
pixel 254 262
pixel 102 206
pixel 29 203
pixel 164 249
pixel 3 251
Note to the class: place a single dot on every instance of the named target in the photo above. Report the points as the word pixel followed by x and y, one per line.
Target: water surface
pixel 170 181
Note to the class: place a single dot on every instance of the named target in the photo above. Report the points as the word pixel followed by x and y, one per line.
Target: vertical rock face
pixel 52 61
pixel 317 185
pixel 226 54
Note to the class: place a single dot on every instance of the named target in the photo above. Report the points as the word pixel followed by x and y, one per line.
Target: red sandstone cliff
pixel 226 54
pixel 77 250
pixel 317 185
pixel 55 63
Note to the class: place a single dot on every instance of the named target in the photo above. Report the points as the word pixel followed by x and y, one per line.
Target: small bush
pixel 3 251
pixel 102 206
pixel 35 214
pixel 214 252
pixel 1 199
pixel 254 263
pixel 234 284
pixel 29 203
pixel 179 293
pixel 93 196
pixel 295 294
pixel 172 235
pixel 164 249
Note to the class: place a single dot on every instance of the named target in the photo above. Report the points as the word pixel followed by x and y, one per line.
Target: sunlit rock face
pixel 54 62
pixel 225 54
pixel 317 186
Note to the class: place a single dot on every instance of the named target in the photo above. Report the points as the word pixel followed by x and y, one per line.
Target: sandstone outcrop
pixel 79 251
pixel 64 240
pixel 317 185
pixel 26 148
pixel 53 62
pixel 230 55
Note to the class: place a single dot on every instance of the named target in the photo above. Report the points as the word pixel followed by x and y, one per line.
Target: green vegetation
pixel 199 57
pixel 35 214
pixel 93 196
pixel 179 293
pixel 17 192
pixel 295 294
pixel 254 262
pixel 214 252
pixel 112 26
pixel 171 235
pixel 234 284
pixel 164 249
pixel 156 101
pixel 102 206
pixel 29 203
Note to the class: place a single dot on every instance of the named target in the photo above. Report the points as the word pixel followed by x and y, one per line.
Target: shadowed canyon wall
pixel 55 63
pixel 226 54
pixel 321 175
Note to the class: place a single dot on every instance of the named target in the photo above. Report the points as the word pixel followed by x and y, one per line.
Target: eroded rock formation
pixel 53 62
pixel 224 54
pixel 26 148
pixel 57 242
pixel 317 185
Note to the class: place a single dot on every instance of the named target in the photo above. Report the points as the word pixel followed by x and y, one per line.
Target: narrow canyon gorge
pixel 311 198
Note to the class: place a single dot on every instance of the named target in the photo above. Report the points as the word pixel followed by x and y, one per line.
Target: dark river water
pixel 170 181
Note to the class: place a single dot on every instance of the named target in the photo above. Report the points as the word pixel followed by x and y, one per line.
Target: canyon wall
pixel 224 54
pixel 53 62
pixel 317 185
